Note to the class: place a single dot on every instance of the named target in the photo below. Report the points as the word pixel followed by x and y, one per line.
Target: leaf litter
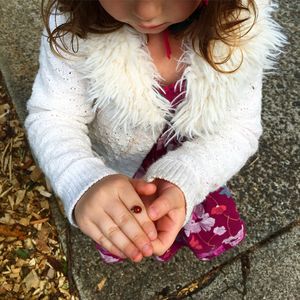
pixel 32 263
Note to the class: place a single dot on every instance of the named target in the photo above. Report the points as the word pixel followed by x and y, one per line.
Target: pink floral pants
pixel 214 227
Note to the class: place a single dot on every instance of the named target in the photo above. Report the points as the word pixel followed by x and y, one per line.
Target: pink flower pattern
pixel 203 222
pixel 219 230
pixel 234 240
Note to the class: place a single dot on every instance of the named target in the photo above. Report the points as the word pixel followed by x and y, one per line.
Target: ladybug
pixel 136 209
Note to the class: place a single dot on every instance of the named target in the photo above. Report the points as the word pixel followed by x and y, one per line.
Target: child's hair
pixel 219 20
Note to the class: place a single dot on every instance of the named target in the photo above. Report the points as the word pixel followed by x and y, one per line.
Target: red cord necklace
pixel 166 43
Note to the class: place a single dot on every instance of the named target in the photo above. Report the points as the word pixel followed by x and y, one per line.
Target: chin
pixel 150 30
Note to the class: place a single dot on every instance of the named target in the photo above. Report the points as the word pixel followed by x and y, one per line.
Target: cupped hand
pixel 103 213
pixel 166 207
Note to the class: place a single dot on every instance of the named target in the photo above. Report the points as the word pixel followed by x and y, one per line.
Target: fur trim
pixel 209 92
pixel 122 75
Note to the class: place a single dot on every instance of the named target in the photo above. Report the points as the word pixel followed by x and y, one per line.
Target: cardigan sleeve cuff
pixel 182 176
pixel 76 180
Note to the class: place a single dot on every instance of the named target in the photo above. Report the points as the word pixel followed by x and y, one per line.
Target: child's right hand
pixel 103 213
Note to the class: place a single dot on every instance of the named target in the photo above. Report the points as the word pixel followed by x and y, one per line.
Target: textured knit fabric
pixel 215 225
pixel 101 112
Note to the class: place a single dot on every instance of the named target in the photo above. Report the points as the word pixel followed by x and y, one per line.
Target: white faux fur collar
pixel 121 73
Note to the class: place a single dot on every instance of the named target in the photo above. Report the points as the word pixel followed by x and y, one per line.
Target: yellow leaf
pixel 101 284
pixel 20 196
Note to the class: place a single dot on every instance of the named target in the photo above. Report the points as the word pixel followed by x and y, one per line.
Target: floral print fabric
pixel 214 226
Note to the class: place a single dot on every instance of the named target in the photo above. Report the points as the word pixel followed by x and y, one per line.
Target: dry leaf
pixel 36 174
pixel 11 201
pixel 101 284
pixel 51 273
pixel 61 282
pixel 23 198
pixel 28 243
pixel 45 204
pixel 45 194
pixel 16 288
pixel 10 232
pixel 20 196
pixel 42 246
pixel 24 221
pixel 7 286
pixel 32 280
pixel 32 262
pixel 7 219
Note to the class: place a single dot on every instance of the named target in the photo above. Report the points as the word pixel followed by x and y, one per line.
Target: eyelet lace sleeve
pixel 201 166
pixel 56 126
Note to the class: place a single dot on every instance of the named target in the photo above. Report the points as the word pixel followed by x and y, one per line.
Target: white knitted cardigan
pixel 101 113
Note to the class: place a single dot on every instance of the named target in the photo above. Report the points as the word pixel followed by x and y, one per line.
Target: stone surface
pixel 266 191
pixel 20 31
pixel 274 273
pixel 128 280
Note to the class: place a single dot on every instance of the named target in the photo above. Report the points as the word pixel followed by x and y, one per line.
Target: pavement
pixel 266 265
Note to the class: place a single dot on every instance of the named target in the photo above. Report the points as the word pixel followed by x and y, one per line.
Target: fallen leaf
pixel 36 174
pixel 101 284
pixel 22 253
pixel 16 288
pixel 7 219
pixel 51 273
pixel 24 221
pixel 42 246
pixel 11 201
pixel 45 204
pixel 7 286
pixel 20 196
pixel 32 280
pixel 45 194
pixel 60 266
pixel 10 232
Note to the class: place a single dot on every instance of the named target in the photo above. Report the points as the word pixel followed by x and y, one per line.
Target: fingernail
pixel 137 257
pixel 152 213
pixel 152 235
pixel 135 254
pixel 147 250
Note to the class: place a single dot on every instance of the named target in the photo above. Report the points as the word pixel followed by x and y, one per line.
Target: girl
pixel 142 110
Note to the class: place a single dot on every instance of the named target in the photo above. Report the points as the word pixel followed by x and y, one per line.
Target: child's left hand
pixel 166 207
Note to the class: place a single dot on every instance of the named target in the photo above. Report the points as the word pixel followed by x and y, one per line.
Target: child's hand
pixel 167 208
pixel 103 213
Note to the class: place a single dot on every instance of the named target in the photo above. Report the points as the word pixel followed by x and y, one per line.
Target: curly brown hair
pixel 218 21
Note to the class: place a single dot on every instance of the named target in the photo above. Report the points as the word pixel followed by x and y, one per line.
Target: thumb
pixel 160 207
pixel 143 187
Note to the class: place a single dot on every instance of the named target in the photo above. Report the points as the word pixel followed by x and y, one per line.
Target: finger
pixel 130 227
pixel 167 200
pixel 94 233
pixel 142 187
pixel 167 232
pixel 113 233
pixel 130 198
pixel 161 206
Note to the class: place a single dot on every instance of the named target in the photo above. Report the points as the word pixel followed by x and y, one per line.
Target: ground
pixel 32 263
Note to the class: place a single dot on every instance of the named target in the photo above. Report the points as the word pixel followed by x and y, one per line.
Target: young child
pixel 142 110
